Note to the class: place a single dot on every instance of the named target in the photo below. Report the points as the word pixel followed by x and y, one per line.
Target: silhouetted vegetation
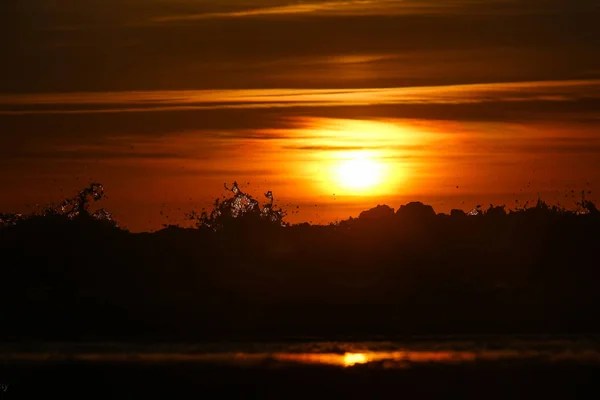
pixel 244 273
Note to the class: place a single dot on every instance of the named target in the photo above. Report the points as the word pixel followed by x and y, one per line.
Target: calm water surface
pixel 507 368
pixel 340 354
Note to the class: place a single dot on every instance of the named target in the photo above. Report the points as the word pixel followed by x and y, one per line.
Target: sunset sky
pixel 335 106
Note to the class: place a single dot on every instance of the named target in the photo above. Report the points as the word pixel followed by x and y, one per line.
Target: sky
pixel 335 106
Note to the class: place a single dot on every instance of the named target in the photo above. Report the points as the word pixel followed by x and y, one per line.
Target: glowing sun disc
pixel 360 172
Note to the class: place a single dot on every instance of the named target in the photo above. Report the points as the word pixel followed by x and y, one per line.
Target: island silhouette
pixel 244 273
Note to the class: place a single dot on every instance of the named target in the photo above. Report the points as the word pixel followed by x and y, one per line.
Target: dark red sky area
pixel 452 102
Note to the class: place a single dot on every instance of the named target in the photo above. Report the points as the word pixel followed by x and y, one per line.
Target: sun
pixel 359 172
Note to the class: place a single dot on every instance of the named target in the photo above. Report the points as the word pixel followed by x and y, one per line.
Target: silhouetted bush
pixel 381 212
pixel 416 211
pixel 457 213
pixel 496 212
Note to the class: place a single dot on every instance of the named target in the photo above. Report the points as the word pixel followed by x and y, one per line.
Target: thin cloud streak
pixel 337 8
pixel 155 101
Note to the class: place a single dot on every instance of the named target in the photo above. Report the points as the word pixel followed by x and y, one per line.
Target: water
pixel 386 354
pixel 424 368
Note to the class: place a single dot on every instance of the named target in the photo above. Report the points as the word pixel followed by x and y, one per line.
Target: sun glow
pixel 354 158
pixel 359 172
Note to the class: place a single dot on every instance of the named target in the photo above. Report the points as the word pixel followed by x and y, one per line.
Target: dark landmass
pixel 497 380
pixel 244 274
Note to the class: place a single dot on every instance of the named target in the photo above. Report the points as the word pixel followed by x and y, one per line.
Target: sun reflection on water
pixel 398 359
pixel 351 359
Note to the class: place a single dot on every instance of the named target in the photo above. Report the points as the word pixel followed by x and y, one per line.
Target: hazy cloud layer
pixel 154 101
pixel 106 45
pixel 339 8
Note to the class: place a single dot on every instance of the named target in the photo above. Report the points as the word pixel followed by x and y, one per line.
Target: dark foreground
pixel 491 381
pixel 243 274
pixel 482 380
pixel 541 369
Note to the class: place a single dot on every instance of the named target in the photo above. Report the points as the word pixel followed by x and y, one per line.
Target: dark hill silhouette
pixel 69 274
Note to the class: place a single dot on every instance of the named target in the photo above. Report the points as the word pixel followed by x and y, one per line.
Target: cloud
pixel 154 101
pixel 332 7
pixel 329 148
pixel 343 148
pixel 352 8
pixel 68 47
pixel 385 8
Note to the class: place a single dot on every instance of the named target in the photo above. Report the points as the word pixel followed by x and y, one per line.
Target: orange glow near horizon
pixel 322 169
pixel 354 158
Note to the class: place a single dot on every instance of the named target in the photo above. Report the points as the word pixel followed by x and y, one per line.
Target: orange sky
pixel 454 103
